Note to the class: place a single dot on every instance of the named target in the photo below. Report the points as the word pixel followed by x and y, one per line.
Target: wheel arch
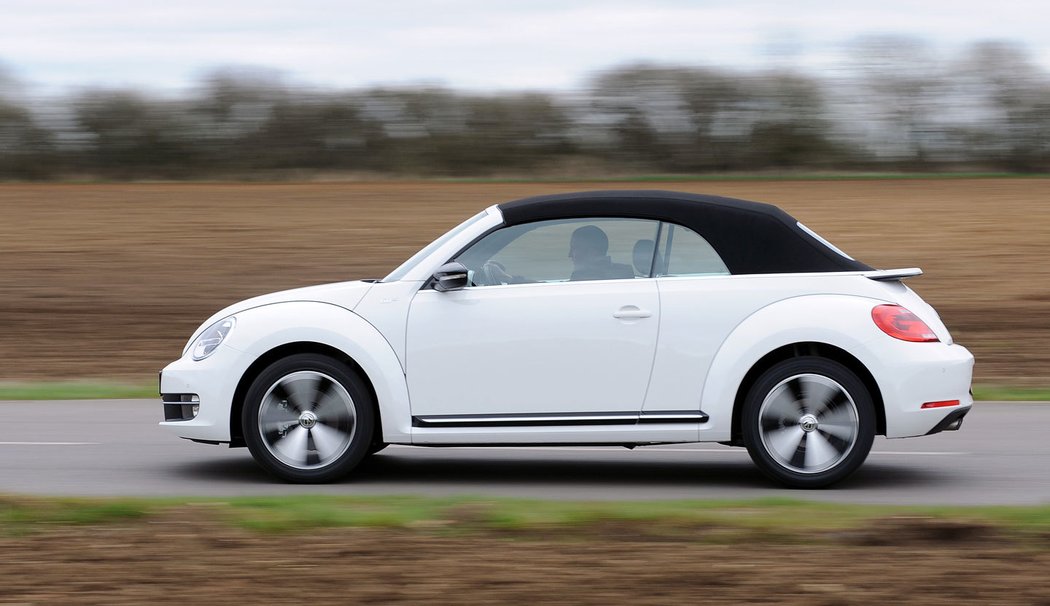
pixel 283 351
pixel 807 348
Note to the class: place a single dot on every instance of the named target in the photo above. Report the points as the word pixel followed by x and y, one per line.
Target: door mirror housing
pixel 451 276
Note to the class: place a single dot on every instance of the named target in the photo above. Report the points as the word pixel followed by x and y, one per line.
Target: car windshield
pixel 405 267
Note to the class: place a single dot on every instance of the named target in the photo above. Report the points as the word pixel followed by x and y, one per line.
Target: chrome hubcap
pixel 808 423
pixel 307 420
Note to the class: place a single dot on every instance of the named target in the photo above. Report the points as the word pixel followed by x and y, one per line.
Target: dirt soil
pixel 108 281
pixel 176 561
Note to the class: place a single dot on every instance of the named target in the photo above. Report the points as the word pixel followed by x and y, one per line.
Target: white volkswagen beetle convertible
pixel 626 317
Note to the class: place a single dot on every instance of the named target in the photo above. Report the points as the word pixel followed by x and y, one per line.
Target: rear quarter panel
pixel 715 328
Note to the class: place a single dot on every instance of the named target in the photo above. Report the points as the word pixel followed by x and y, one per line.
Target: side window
pixel 563 250
pixel 683 252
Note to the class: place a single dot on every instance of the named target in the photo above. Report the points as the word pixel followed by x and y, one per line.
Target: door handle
pixel 631 312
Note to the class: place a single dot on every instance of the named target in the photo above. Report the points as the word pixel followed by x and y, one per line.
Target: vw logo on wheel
pixel 307 420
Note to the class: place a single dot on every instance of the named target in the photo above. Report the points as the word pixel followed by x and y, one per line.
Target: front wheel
pixel 808 422
pixel 308 418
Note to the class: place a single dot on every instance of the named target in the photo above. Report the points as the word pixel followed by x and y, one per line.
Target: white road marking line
pixel 740 451
pixel 49 443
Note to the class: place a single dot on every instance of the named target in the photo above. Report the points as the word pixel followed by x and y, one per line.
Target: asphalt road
pixel 115 448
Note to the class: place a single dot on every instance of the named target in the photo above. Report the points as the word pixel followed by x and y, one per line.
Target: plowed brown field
pixel 185 561
pixel 107 281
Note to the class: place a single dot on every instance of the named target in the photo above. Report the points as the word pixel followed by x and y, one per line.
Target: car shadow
pixel 728 474
pixel 426 467
pixel 482 469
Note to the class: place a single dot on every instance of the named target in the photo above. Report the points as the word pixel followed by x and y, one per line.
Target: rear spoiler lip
pixel 885 275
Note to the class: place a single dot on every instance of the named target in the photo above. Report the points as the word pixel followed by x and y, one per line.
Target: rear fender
pixel 843 321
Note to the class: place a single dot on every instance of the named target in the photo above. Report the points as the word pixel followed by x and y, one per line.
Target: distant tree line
pixel 894 105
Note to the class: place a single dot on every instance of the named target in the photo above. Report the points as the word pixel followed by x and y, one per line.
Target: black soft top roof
pixel 751 237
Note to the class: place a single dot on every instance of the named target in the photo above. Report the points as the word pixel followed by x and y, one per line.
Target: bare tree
pixel 903 93
pixel 26 149
pixel 1009 98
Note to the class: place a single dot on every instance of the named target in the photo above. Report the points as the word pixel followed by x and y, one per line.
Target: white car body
pixel 642 361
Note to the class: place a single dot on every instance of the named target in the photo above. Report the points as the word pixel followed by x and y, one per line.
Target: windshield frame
pixel 405 270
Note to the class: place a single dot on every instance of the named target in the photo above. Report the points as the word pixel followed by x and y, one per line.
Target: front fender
pixel 262 329
pixel 843 321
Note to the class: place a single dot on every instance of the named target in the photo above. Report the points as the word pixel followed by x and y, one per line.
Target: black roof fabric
pixel 751 237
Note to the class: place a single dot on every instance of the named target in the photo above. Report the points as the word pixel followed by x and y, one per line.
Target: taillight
pixel 900 323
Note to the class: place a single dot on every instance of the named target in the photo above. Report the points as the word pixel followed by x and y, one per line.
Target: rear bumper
pixel 916 373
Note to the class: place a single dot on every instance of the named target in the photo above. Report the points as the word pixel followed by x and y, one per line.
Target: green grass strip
pixel 21 513
pixel 1011 394
pixel 776 517
pixel 75 390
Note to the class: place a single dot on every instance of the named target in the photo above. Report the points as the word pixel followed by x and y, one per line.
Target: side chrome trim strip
pixel 560 419
pixel 673 416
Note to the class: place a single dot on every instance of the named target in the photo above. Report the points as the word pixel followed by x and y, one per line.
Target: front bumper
pixel 214 381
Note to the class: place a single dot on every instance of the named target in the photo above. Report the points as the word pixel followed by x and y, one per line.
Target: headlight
pixel 209 341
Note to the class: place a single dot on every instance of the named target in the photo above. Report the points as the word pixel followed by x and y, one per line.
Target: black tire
pixel 808 422
pixel 326 412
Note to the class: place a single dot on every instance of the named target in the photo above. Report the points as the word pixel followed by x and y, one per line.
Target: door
pixel 554 324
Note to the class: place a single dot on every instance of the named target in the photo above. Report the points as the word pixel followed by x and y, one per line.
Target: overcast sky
pixel 474 44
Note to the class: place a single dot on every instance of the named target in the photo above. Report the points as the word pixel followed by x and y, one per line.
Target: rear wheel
pixel 808 422
pixel 308 418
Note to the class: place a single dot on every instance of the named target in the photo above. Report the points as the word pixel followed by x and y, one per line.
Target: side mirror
pixel 450 276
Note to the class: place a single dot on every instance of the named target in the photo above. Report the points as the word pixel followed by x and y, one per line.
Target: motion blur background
pixel 462 87
pixel 163 160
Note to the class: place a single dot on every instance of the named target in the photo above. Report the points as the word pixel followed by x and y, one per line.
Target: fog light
pixel 180 406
